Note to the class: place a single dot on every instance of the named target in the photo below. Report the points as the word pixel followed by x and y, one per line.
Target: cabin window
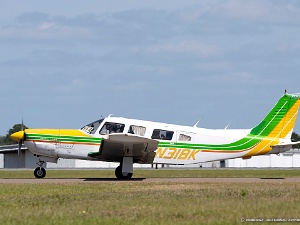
pixel 162 134
pixel 109 128
pixel 138 130
pixel 92 127
pixel 183 137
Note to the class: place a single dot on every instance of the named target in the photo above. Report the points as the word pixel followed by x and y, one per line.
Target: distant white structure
pixel 1 160
pixel 290 159
pixel 9 159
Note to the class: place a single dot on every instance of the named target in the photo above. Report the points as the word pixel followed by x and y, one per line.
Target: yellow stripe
pixel 263 147
pixel 283 128
pixel 74 143
pixel 57 132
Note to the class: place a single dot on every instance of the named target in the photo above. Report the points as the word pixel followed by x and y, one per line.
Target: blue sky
pixel 64 63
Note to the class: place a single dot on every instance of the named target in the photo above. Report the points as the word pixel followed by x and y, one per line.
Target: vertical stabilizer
pixel 280 121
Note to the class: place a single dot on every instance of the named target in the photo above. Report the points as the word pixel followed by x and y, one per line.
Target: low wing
pixel 115 146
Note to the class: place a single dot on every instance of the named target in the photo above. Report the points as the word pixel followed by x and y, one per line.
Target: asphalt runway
pixel 150 180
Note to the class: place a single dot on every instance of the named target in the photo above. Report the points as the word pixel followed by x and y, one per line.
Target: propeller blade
pixel 22 125
pixel 20 142
pixel 19 137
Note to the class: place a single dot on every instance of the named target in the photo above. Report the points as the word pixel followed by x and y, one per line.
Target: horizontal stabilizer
pixel 282 147
pixel 286 144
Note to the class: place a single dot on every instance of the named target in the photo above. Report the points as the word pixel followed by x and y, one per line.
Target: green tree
pixel 295 137
pixel 1 139
pixel 6 140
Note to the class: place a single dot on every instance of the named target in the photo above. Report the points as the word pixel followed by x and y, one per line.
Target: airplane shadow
pixel 113 179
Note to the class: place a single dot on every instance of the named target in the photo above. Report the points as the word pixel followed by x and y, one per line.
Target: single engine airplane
pixel 129 141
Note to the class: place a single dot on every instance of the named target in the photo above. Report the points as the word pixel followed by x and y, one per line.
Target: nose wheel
pixel 40 171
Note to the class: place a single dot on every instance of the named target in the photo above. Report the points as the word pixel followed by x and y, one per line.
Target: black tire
pixel 118 172
pixel 39 172
pixel 128 176
pixel 120 175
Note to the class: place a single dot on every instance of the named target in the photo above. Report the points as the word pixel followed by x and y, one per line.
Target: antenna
pixel 227 125
pixel 195 126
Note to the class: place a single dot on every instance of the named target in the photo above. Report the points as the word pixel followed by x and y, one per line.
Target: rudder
pixel 280 121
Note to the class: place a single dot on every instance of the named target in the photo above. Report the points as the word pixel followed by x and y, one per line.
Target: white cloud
pixel 277 12
pixel 58 62
pixel 44 31
pixel 197 48
pixel 240 77
pixel 131 86
pixel 46 26
pixel 236 18
pixel 71 86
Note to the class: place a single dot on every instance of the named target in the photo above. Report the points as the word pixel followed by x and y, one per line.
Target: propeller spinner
pixel 19 137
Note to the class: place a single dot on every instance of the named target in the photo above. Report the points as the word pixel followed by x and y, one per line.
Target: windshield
pixel 92 127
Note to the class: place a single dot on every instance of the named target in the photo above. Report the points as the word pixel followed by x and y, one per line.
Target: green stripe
pixel 274 117
pixel 62 138
pixel 256 135
pixel 242 144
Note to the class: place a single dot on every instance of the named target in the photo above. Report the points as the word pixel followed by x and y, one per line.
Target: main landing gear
pixel 122 175
pixel 125 170
pixel 40 171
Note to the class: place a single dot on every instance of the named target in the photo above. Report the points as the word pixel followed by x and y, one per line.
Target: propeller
pixel 20 142
pixel 19 137
pixel 20 152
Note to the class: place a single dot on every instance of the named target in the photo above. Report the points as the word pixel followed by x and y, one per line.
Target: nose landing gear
pixel 40 171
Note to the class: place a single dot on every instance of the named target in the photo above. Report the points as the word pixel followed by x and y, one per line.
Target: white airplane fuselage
pixel 129 141
pixel 167 151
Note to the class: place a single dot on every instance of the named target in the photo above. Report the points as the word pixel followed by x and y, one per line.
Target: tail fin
pixel 281 119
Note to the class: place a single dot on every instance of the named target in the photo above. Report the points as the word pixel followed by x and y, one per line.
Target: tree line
pixel 6 140
pixel 295 137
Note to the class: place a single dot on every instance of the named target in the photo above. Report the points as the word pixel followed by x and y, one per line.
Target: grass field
pixel 148 203
pixel 152 173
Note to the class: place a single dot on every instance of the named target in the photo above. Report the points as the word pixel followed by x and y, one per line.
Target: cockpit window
pixel 92 127
pixel 162 134
pixel 109 128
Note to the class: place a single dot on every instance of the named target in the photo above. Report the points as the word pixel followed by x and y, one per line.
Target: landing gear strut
pixel 40 171
pixel 121 175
